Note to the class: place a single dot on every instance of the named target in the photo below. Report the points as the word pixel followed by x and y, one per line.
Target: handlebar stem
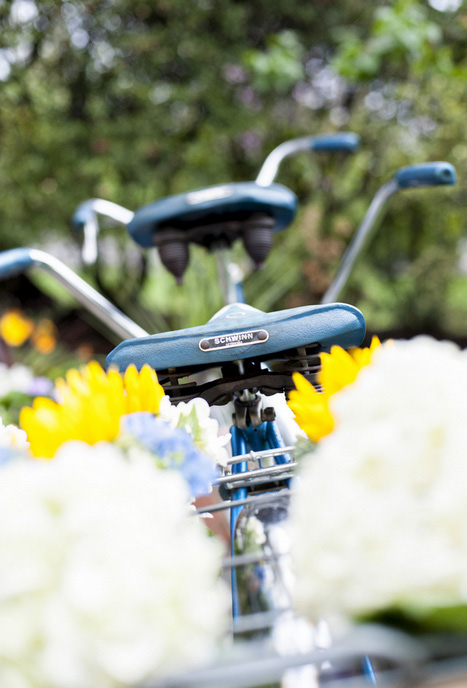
pixel 230 276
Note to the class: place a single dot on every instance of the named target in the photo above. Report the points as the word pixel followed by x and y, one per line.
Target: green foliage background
pixel 132 101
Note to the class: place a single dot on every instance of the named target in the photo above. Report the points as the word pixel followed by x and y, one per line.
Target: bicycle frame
pixel 264 440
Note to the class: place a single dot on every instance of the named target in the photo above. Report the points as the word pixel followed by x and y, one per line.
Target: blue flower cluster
pixel 7 455
pixel 40 387
pixel 174 448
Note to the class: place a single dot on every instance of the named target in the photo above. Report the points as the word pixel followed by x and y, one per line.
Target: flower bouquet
pixel 379 518
pixel 132 411
pixel 108 578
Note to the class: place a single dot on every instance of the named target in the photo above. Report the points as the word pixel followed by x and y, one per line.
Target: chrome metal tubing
pixel 120 324
pixel 260 479
pixel 264 498
pixel 260 621
pixel 230 275
pixel 274 471
pixel 258 455
pixel 99 206
pixel 270 167
pixel 113 211
pixel 256 663
pixel 359 241
pixel 89 250
pixel 246 559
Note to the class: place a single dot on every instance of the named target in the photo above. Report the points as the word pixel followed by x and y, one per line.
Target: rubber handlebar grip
pixel 426 174
pixel 343 142
pixel 14 261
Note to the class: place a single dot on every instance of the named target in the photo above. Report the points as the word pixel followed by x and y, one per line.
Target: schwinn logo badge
pixel 230 340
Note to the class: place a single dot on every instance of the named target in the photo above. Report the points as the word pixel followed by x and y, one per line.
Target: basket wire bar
pixel 247 559
pixel 257 663
pixel 260 621
pixel 259 455
pixel 264 498
pixel 274 471
pixel 253 478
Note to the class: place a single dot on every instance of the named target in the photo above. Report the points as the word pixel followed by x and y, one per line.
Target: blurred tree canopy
pixel 132 101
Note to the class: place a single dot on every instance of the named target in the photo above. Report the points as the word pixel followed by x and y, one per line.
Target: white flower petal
pixel 104 572
pixel 380 518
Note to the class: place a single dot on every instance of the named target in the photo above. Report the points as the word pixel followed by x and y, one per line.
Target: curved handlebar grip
pixel 83 213
pixel 343 142
pixel 426 174
pixel 15 261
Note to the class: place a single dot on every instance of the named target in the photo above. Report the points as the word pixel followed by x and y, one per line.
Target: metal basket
pixel 258 658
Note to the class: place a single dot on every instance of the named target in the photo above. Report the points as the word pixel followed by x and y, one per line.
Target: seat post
pixel 230 276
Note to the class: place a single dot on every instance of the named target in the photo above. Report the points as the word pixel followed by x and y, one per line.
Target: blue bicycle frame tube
pixel 369 671
pixel 238 447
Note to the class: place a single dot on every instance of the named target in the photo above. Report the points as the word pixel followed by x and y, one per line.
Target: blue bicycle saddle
pixel 214 204
pixel 239 332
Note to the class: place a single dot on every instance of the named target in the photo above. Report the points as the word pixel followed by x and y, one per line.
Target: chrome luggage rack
pixel 257 476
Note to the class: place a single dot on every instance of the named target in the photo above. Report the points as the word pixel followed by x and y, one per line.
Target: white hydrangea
pixel 15 378
pixel 13 437
pixel 106 579
pixel 380 518
pixel 194 418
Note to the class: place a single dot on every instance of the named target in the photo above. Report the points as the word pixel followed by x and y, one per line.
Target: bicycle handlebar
pixel 18 260
pixel 87 211
pixel 342 142
pixel 426 174
pixel 85 220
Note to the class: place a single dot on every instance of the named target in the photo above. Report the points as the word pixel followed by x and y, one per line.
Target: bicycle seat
pixel 211 206
pixel 214 217
pixel 239 332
